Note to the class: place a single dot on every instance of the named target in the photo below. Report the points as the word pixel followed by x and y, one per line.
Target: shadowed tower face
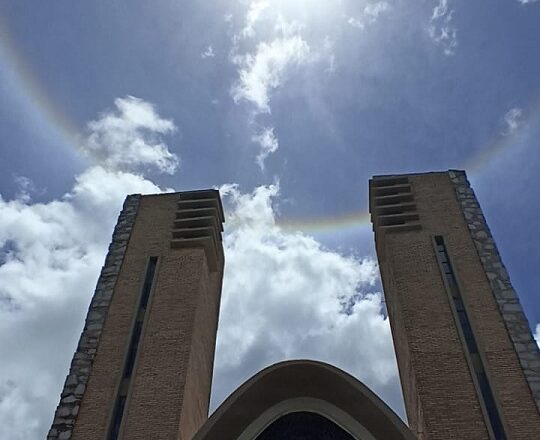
pixel 143 366
pixel 469 366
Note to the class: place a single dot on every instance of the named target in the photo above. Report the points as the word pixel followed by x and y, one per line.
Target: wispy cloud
pixel 513 119
pixel 441 29
pixel 369 14
pixel 130 137
pixel 25 188
pixel 265 50
pixel 253 15
pixel 208 53
pixel 264 70
pixel 526 2
pixel 268 143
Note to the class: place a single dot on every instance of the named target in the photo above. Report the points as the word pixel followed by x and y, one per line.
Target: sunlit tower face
pixel 462 342
pixel 151 325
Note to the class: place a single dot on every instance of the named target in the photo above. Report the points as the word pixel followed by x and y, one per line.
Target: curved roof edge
pixel 303 385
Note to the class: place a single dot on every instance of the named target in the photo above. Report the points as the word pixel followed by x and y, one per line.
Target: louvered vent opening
pixel 394 199
pixel 381 181
pixel 201 203
pixel 397 219
pixel 391 190
pixel 392 204
pixel 199 194
pixel 396 209
pixel 185 213
pixel 198 224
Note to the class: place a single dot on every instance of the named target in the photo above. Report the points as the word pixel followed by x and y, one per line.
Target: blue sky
pixel 293 105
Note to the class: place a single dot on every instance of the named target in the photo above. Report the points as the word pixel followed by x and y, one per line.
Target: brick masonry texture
pixel 428 347
pixel 505 295
pixel 438 385
pixel 169 390
pixel 81 365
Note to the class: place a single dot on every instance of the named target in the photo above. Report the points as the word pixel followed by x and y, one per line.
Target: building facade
pixel 143 366
pixel 468 363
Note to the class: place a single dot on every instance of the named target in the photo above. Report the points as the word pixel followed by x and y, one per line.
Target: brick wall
pixel 163 385
pixel 508 302
pixel 81 366
pixel 440 395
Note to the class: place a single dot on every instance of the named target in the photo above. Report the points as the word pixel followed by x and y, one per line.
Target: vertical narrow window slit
pixel 484 388
pixel 133 347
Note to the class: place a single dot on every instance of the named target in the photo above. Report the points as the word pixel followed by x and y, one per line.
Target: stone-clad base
pixel 81 365
pixel 505 295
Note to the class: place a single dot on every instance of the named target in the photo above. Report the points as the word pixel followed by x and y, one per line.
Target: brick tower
pixel 143 366
pixel 469 366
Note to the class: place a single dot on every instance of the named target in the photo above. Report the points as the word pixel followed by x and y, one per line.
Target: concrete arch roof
pixel 303 385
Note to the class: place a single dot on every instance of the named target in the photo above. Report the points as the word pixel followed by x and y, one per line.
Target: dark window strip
pixel 491 407
pixel 120 404
pixel 486 392
pixel 132 352
pixel 117 417
pixel 148 281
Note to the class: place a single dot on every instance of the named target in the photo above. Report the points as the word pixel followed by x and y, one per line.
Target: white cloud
pixel 270 44
pixel 369 14
pixel 373 10
pixel 25 188
pixel 285 296
pixel 54 253
pixel 268 144
pixel 356 22
pixel 50 257
pixel 264 70
pixel 526 2
pixel 441 29
pixel 537 334
pixel 208 53
pixel 254 14
pixel 130 137
pixel 513 120
pixel 263 66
